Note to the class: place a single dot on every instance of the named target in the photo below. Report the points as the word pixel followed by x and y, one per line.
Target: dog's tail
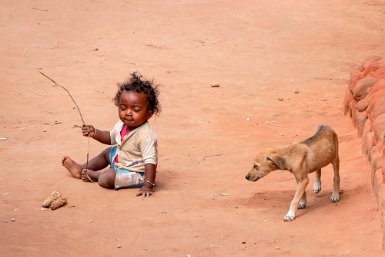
pixel 335 137
pixel 329 130
pixel 322 129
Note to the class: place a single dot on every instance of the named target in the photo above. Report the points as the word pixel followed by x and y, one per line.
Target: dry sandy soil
pixel 282 67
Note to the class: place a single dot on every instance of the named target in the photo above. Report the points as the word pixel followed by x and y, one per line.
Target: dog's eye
pixel 255 166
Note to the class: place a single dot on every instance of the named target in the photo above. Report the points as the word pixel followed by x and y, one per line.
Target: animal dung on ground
pixel 55 201
pixel 47 203
pixel 59 202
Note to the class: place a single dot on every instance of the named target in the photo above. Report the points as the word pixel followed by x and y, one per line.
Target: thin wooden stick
pixel 80 113
pixel 68 92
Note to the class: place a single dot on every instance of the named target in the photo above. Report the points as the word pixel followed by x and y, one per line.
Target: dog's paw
pixel 335 197
pixel 316 187
pixel 289 217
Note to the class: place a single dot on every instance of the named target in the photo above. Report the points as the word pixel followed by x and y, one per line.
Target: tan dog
pixel 301 159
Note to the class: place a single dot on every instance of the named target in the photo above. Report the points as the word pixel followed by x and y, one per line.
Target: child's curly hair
pixel 137 85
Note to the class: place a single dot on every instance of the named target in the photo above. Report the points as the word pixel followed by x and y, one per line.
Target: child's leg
pixel 99 162
pixel 105 179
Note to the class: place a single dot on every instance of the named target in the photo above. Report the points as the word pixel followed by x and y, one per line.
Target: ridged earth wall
pixel 365 103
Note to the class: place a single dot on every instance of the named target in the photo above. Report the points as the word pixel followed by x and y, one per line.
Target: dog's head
pixel 264 163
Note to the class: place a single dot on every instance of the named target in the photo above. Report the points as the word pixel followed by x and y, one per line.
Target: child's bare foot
pixel 73 167
pixel 85 177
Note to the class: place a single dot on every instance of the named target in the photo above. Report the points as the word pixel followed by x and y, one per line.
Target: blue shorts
pixel 125 178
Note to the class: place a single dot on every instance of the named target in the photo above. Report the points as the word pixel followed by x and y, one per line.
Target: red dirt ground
pixel 282 67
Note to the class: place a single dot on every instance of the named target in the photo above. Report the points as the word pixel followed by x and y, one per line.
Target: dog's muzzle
pixel 250 178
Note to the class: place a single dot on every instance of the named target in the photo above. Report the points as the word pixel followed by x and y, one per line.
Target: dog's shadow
pixel 281 199
pixel 268 199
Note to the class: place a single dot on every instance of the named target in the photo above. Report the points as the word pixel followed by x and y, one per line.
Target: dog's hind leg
pixel 301 186
pixel 317 182
pixel 302 202
pixel 336 180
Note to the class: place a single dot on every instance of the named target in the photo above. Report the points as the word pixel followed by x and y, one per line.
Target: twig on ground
pixel 43 10
pixel 214 155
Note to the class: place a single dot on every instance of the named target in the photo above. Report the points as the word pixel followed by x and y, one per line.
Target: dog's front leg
pixel 301 186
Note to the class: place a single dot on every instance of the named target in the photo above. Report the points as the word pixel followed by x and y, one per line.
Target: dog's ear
pixel 277 160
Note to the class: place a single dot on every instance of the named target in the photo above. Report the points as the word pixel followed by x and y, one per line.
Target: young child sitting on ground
pixel 133 156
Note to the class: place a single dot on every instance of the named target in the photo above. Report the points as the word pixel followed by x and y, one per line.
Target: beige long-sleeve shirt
pixel 137 148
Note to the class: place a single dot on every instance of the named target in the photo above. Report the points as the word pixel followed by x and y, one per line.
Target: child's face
pixel 133 109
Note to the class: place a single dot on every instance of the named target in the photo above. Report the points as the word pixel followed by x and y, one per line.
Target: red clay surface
pixel 282 67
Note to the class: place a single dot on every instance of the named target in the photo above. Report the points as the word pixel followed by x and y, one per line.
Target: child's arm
pixel 149 180
pixel 97 134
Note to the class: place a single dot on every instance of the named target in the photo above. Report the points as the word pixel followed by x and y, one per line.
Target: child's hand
pixel 89 131
pixel 145 191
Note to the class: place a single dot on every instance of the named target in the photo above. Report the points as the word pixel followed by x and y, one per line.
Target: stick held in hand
pixel 77 107
pixel 68 92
